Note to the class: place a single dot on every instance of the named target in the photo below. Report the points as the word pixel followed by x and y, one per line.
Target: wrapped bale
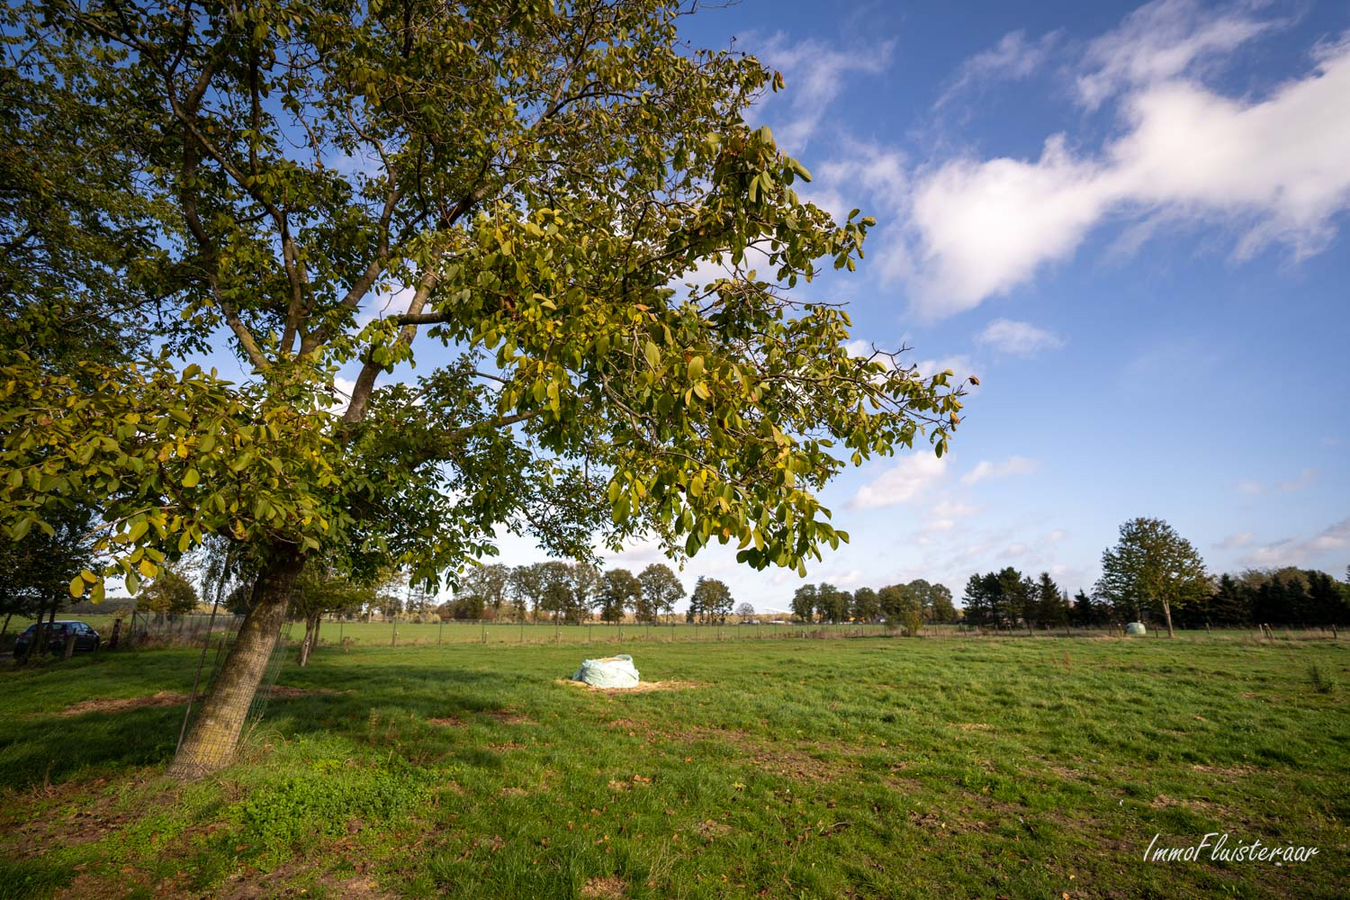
pixel 610 672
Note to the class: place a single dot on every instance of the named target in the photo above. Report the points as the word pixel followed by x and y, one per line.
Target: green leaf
pixel 191 478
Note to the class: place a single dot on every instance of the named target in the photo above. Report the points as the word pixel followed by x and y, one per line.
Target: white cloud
pixel 1163 40
pixel 954 509
pixel 814 74
pixel 907 479
pixel 1241 539
pixel 1306 479
pixel 1271 170
pixel 1294 552
pixel 1017 338
pixel 1012 58
pixel 1013 465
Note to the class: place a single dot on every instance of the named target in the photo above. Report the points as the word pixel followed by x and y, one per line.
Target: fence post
pixel 484 631
pixel 116 633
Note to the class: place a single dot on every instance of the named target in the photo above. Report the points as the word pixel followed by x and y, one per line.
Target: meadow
pixel 850 767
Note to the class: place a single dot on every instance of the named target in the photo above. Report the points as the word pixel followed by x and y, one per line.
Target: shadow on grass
pixel 37 746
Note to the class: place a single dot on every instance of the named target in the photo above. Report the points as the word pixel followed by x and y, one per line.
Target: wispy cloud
pixel 1293 551
pixel 1013 465
pixel 815 73
pixel 1017 338
pixel 1013 58
pixel 1268 169
pixel 1306 479
pixel 1163 40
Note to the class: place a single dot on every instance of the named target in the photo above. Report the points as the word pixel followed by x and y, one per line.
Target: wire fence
pixel 137 630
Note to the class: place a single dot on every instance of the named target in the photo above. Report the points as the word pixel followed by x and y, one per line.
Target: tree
pixel 903 606
pixel 37 570
pixel 619 590
pixel 526 586
pixel 981 590
pixel 713 600
pixel 804 603
pixel 489 582
pixel 1051 605
pixel 320 591
pixel 745 611
pixel 1150 566
pixel 533 184
pixel 661 590
pixel 169 593
pixel 832 604
pixel 866 606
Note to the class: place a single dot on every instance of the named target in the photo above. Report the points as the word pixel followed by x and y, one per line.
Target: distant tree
pixel 490 582
pixel 319 591
pixel 713 600
pixel 661 590
pixel 391 591
pixel 745 610
pixel 619 590
pixel 804 603
pixel 898 604
pixel 1014 592
pixel 526 585
pixel 36 570
pixel 1051 607
pixel 940 606
pixel 935 600
pixel 905 607
pixel 832 604
pixel 169 593
pixel 1086 612
pixel 1229 604
pixel 981 591
pixel 1151 566
pixel 866 606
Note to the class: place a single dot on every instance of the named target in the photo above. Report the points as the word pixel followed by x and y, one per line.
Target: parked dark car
pixel 86 638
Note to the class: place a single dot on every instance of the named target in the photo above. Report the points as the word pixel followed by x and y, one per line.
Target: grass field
pixel 866 767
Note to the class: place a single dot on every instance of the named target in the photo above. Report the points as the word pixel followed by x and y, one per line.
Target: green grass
pixel 794 768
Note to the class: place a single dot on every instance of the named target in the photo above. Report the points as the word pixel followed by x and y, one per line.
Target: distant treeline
pixel 1288 596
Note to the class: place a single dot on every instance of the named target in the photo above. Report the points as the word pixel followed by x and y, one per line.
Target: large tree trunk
pixel 1167 611
pixel 211 742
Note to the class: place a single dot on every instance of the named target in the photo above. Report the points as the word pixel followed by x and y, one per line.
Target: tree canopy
pixel 1153 566
pixel 535 190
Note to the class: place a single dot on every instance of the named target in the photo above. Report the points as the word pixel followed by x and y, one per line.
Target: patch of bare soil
pixel 447 722
pixel 169 698
pixel 604 888
pixel 709 829
pixel 670 684
pixel 251 885
pixel 510 717
pixel 121 704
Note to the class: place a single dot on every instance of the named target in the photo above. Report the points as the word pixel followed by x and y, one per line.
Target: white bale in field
pixel 610 672
pixel 1136 628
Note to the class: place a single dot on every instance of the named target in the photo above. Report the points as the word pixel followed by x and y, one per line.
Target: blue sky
pixel 1129 222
